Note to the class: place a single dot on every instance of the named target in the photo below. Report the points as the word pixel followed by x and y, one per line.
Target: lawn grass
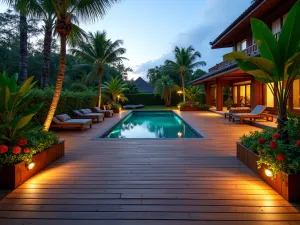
pixel 158 107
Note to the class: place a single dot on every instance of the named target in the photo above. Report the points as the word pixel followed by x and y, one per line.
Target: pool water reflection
pixel 154 124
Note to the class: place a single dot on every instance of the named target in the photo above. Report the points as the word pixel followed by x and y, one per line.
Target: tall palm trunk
pixel 23 60
pixel 100 88
pixel 46 57
pixel 59 81
pixel 183 88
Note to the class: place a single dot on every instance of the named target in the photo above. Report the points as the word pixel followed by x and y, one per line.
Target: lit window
pixel 296 94
pixel 268 96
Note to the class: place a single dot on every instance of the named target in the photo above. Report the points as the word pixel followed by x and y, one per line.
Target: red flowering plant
pixel 273 152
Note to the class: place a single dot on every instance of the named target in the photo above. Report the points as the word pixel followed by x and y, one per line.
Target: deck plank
pixel 162 182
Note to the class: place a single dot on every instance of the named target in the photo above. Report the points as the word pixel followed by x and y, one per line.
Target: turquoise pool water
pixel 153 124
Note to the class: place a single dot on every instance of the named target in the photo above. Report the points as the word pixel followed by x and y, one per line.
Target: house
pixel 245 90
pixel 143 86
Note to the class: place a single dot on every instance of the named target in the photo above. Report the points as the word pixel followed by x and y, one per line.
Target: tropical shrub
pixel 188 104
pixel 273 152
pixel 78 87
pixel 14 119
pixel 164 87
pixel 279 61
pixel 25 148
pixel 193 93
pixel 114 89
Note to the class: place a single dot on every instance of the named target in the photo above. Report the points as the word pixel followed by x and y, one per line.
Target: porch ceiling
pixel 229 76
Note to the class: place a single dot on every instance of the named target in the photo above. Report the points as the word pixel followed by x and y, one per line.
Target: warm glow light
pixel 179 92
pixel 120 108
pixel 178 107
pixel 179 134
pixel 268 173
pixel 30 165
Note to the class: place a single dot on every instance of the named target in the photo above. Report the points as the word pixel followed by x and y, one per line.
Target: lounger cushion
pixel 55 120
pixel 258 109
pixel 97 109
pixel 78 121
pixel 129 106
pixel 242 114
pixel 77 113
pixel 83 111
pixel 63 117
pixel 95 114
pixel 88 110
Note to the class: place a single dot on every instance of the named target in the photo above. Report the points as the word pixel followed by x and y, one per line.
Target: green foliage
pixel 251 140
pixel 164 87
pixel 198 106
pixel 115 89
pixel 194 93
pixel 115 106
pixel 13 119
pixel 280 60
pixel 228 102
pixel 78 87
pixel 268 156
pixel 293 127
pixel 68 102
pixel 132 88
pixel 37 142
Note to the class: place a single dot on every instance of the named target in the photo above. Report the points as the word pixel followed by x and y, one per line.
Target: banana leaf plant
pixel 279 63
pixel 14 117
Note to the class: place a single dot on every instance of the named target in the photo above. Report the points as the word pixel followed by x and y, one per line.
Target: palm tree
pixel 64 10
pixel 115 89
pixel 185 61
pixel 45 11
pixel 164 87
pixel 98 52
pixel 193 93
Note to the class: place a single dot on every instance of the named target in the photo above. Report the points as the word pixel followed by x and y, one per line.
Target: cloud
pixel 213 20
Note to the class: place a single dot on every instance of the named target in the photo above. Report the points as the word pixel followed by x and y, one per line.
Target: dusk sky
pixel 152 28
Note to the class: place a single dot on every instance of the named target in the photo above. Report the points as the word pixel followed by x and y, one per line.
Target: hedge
pixel 67 103
pixel 150 99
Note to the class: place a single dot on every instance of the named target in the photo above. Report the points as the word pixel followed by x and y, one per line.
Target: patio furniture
pixel 87 114
pixel 256 113
pixel 65 121
pixel 140 106
pixel 236 110
pixel 107 113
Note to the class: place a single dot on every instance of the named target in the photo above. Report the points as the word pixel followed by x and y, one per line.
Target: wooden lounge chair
pixel 65 121
pixel 106 112
pixel 256 113
pixel 87 114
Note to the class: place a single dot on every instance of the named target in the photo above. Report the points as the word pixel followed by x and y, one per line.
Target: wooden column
pixel 208 99
pixel 219 95
pixel 256 93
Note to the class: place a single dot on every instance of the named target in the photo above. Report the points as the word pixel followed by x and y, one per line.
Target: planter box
pixel 189 109
pixel 116 110
pixel 288 187
pixel 13 176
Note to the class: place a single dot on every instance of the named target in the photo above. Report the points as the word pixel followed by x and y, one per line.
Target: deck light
pixel 179 134
pixel 30 165
pixel 179 92
pixel 120 109
pixel 268 173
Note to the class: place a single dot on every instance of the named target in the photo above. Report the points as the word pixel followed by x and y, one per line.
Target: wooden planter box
pixel 13 176
pixel 116 110
pixel 188 109
pixel 288 187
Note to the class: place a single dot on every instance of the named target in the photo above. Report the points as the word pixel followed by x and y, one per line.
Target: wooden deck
pixel 149 182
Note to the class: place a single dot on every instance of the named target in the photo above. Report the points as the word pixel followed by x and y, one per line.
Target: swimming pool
pixel 152 124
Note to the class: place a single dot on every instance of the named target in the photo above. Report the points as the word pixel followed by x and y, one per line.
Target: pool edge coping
pixel 98 136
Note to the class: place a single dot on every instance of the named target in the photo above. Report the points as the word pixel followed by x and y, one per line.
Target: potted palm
pixel 24 148
pixel 279 64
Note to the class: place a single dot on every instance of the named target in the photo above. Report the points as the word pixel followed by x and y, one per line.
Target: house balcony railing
pixel 250 51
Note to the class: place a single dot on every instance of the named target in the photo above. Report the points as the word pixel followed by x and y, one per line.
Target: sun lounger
pixel 107 113
pixel 256 113
pixel 87 114
pixel 65 121
pixel 133 106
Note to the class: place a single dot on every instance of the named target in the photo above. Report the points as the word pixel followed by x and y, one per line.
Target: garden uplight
pixel 30 165
pixel 179 134
pixel 268 173
pixel 179 92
